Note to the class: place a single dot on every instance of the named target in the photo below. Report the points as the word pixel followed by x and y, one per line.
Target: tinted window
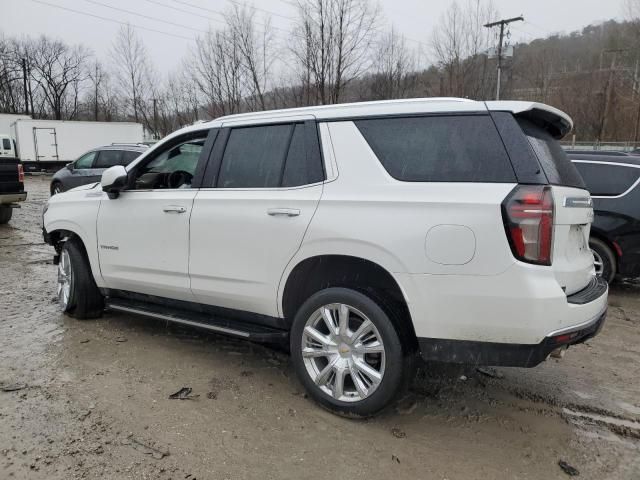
pixel 553 159
pixel 6 144
pixel 85 161
pixel 439 148
pixel 107 158
pixel 254 157
pixel 607 180
pixel 302 167
pixel 128 157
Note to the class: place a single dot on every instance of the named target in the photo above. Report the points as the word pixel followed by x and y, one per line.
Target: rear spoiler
pixel 555 121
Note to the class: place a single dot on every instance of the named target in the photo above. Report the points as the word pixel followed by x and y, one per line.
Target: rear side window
pixel 607 180
pixel 107 158
pixel 439 148
pixel 6 144
pixel 553 159
pixel 269 156
pixel 128 156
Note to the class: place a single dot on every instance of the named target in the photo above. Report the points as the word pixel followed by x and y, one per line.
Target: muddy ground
pixel 89 399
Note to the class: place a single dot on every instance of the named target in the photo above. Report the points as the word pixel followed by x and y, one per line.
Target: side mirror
pixel 114 179
pixel 69 166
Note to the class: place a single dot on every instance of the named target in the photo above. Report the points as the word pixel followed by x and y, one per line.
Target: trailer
pixel 7 119
pixel 48 144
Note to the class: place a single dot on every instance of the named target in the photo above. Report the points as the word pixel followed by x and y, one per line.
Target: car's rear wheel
pixel 5 214
pixel 347 352
pixel 604 259
pixel 78 294
pixel 56 188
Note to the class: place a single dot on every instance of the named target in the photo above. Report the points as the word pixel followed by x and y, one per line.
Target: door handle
pixel 284 212
pixel 174 209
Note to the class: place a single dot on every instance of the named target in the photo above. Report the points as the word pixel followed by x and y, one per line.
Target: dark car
pixel 89 167
pixel 615 233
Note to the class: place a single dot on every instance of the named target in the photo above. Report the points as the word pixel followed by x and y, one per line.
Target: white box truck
pixel 50 143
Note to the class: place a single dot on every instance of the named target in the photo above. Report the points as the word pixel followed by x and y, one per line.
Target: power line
pixel 263 10
pixel 112 20
pixel 148 17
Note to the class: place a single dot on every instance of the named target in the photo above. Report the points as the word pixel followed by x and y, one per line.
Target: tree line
pixel 335 51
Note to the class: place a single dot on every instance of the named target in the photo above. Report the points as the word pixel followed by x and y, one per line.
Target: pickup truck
pixel 11 187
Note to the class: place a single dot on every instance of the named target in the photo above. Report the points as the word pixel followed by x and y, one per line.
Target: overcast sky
pixel 413 18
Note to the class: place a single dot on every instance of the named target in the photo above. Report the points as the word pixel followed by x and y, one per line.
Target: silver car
pixel 88 167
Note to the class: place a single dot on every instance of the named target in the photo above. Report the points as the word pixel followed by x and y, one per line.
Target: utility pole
pixel 24 86
pixel 608 90
pixel 155 118
pixel 96 81
pixel 502 23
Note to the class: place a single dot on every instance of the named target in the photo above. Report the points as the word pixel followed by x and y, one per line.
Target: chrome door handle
pixel 284 212
pixel 174 209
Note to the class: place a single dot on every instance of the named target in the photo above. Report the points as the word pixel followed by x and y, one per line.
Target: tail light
pixel 20 173
pixel 528 220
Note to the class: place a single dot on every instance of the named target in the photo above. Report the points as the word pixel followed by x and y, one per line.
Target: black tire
pixel 5 214
pixel 397 362
pixel 56 187
pixel 85 300
pixel 602 251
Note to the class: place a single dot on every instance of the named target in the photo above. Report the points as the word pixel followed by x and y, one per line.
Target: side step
pixel 248 331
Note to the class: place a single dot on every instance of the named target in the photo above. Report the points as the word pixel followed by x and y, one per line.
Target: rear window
pixel 607 180
pixel 439 148
pixel 553 159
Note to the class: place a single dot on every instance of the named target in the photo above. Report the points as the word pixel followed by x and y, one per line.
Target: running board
pixel 225 326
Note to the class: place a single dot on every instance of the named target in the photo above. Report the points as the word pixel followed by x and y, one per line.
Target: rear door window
pixel 553 159
pixel 607 180
pixel 107 158
pixel 128 157
pixel 255 156
pixel 457 148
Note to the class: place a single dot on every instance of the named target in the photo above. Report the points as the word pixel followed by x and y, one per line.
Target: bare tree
pixel 457 42
pixel 331 44
pixel 256 51
pixel 216 69
pixel 131 66
pixel 394 67
pixel 58 71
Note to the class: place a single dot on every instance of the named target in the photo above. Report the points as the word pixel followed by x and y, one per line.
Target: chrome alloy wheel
pixel 598 263
pixel 343 352
pixel 65 279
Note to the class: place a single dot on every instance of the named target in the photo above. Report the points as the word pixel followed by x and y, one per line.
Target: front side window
pixel 107 158
pixel 173 167
pixel 85 161
pixel 457 148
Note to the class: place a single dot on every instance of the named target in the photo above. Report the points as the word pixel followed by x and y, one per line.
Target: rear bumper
pixel 7 198
pixel 519 355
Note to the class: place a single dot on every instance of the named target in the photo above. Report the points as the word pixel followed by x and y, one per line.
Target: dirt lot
pixel 89 399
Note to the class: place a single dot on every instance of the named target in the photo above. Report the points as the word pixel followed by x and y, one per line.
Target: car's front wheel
pixel 347 352
pixel 78 294
pixel 56 188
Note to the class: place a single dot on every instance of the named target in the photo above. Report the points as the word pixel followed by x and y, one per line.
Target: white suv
pixel 361 234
